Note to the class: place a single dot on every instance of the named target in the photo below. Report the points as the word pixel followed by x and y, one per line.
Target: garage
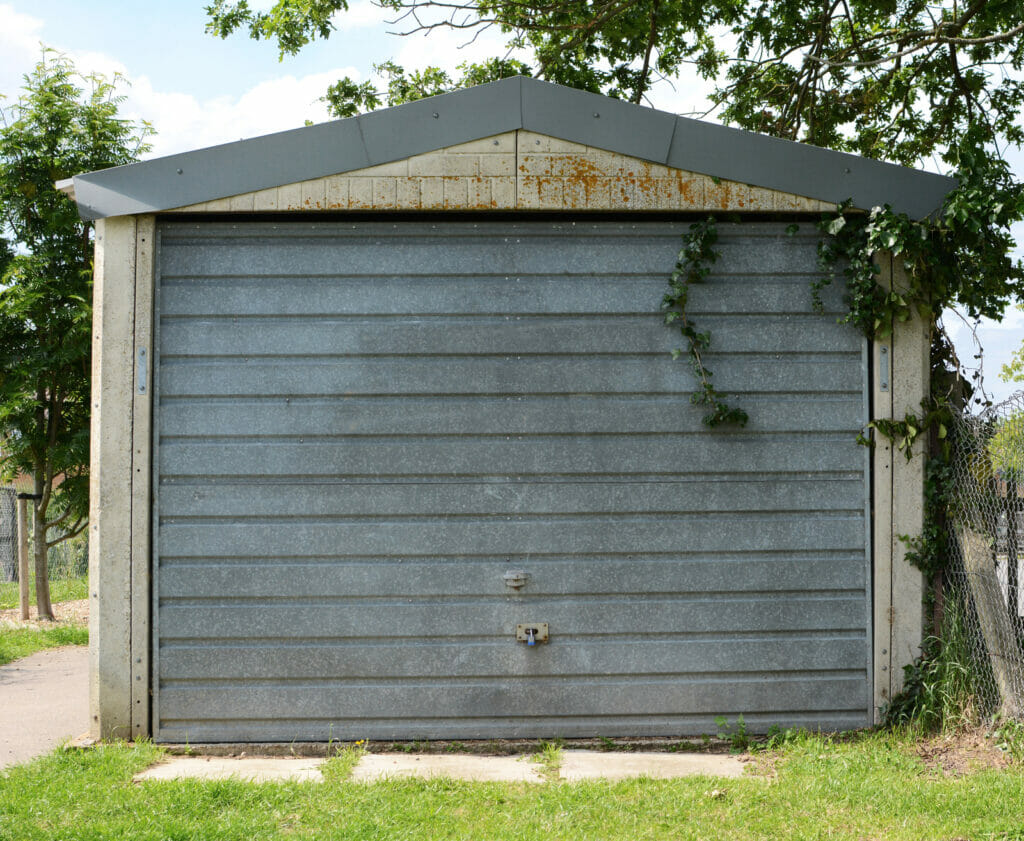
pixel 411 457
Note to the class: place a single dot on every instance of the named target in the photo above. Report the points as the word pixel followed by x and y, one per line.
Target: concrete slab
pixel 589 765
pixel 381 766
pixel 256 769
pixel 44 701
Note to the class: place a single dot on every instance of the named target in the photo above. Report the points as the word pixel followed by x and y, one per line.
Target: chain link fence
pixel 67 562
pixel 985 521
pixel 8 534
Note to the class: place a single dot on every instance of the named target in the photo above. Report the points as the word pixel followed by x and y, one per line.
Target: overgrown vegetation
pixel 940 686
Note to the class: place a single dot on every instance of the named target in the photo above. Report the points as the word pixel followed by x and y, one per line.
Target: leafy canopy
pixel 62 124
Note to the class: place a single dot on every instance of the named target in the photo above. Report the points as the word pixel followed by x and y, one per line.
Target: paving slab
pixel 380 766
pixel 590 765
pixel 256 769
pixel 44 701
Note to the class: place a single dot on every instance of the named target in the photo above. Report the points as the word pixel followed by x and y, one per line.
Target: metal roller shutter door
pixel 361 426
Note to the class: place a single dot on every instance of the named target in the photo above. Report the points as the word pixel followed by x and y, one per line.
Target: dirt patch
pixel 957 754
pixel 66 613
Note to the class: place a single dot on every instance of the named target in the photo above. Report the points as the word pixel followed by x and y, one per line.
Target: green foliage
pixel 1009 738
pixel 940 686
pixel 737 737
pixel 63 124
pixel 1006 448
pixel 961 257
pixel 292 23
pixel 346 98
pixel 929 550
pixel 693 266
pixel 1013 371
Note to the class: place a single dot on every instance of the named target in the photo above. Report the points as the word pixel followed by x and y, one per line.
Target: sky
pixel 198 90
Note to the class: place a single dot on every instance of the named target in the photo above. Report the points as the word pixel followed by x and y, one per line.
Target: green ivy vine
pixel 692 266
pixel 960 256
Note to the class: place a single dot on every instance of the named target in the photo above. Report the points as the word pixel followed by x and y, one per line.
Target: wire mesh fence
pixel 985 520
pixel 8 534
pixel 67 563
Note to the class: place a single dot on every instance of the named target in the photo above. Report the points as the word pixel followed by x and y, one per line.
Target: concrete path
pixel 44 700
pixel 256 769
pixel 576 765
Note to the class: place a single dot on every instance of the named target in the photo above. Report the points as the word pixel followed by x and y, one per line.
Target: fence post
pixel 23 555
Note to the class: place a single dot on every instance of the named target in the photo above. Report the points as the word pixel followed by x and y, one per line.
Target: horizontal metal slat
pixel 511 697
pixel 505 375
pixel 515 456
pixel 210 660
pixel 452 335
pixel 552 296
pixel 342 728
pixel 498 618
pixel 299 499
pixel 454 249
pixel 424 579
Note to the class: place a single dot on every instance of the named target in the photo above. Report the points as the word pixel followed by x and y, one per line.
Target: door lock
pixel 532 632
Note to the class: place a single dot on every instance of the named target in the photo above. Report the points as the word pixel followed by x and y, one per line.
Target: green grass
pixel 16 643
pixel 549 759
pixel 871 787
pixel 61 590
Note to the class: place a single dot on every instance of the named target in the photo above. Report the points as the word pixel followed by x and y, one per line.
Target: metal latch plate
pixel 540 631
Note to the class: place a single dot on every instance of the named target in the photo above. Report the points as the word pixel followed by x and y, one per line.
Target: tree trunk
pixel 44 609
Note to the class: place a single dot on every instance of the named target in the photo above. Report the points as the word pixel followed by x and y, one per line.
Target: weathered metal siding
pixel 361 426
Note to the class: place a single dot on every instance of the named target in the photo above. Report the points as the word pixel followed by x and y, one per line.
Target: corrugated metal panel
pixel 362 426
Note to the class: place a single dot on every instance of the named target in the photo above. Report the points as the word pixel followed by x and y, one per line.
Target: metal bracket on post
pixel 883 368
pixel 140 371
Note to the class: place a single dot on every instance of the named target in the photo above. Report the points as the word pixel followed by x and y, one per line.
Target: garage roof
pixel 516 103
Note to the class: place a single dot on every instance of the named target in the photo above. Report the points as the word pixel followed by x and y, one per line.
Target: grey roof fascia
pixel 598 121
pixel 441 121
pixel 805 170
pixel 227 170
pixel 471 114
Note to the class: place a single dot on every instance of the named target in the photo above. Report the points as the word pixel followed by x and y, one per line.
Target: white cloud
pixel 360 14
pixel 20 37
pixel 185 122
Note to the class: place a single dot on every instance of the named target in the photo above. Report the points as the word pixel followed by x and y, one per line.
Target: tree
pixel 63 123
pixel 1013 371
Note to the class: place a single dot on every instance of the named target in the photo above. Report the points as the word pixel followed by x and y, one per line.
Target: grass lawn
pixel 61 590
pixel 16 643
pixel 873 787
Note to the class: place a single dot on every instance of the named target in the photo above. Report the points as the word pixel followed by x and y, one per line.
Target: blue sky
pixel 198 90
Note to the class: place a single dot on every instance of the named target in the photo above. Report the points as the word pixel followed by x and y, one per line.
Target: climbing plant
pixel 692 266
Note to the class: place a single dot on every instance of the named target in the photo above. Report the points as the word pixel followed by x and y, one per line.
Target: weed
pixel 549 758
pixel 776 737
pixel 738 739
pixel 1009 738
pixel 606 743
pixel 339 767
